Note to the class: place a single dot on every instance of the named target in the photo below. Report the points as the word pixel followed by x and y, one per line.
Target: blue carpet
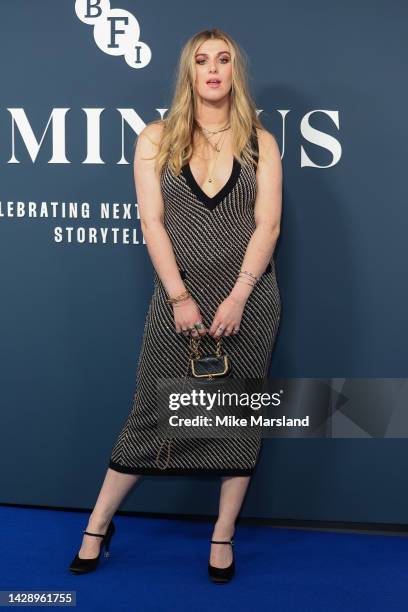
pixel 158 564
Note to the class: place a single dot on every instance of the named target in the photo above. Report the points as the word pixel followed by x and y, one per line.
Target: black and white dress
pixel 209 237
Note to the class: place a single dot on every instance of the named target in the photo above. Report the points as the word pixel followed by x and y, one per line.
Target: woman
pixel 208 182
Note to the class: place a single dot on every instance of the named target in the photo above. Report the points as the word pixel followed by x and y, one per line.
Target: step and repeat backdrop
pixel 79 81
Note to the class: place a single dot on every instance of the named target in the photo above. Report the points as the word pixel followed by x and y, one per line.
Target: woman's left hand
pixel 228 316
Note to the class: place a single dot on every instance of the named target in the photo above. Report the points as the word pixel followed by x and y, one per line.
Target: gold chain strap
pixel 195 347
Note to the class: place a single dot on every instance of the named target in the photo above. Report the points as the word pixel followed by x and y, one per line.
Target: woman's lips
pixel 213 84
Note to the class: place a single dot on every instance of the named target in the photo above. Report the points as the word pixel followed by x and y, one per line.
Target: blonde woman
pixel 208 182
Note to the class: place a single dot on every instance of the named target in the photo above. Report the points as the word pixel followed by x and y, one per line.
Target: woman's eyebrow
pixel 219 53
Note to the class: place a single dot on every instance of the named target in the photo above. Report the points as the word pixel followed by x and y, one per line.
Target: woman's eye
pixel 223 59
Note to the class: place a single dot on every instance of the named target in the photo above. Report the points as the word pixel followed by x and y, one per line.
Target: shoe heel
pixel 107 540
pixel 106 552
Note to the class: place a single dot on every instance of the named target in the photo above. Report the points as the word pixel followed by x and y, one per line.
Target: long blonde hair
pixel 176 144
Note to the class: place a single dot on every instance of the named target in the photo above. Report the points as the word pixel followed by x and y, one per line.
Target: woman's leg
pixel 114 489
pixel 232 494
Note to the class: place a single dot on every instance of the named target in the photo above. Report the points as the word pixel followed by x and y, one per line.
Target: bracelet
pixel 249 273
pixel 178 298
pixel 181 301
pixel 243 281
pixel 244 276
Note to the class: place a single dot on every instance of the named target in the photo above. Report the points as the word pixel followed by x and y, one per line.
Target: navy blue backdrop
pixel 329 82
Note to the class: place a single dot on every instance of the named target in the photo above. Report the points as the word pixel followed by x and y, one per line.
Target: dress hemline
pixel 118 467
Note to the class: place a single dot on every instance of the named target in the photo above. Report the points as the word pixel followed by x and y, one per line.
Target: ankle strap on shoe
pixel 98 535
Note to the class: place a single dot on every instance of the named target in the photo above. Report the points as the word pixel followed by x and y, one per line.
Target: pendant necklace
pixel 217 148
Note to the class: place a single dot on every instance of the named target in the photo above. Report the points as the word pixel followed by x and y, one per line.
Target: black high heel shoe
pixel 221 574
pixel 83 566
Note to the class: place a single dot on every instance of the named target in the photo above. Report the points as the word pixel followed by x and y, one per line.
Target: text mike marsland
pixel 232 421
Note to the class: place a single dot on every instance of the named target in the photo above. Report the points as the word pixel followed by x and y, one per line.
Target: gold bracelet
pixel 182 300
pixel 178 298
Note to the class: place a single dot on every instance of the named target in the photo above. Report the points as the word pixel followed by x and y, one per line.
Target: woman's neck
pixel 212 117
pixel 212 122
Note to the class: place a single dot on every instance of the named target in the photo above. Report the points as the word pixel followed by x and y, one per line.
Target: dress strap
pixel 254 143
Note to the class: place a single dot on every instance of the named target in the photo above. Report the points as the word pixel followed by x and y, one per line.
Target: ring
pixel 198 325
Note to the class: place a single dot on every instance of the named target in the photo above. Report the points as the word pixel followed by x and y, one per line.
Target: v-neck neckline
pixel 212 201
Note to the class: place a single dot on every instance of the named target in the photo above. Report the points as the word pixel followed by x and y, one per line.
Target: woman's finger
pixel 219 331
pixel 200 327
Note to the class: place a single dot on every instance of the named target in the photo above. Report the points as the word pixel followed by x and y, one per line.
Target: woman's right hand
pixel 186 315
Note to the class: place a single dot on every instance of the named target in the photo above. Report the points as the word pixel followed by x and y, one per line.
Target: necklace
pixel 214 146
pixel 217 150
pixel 207 131
pixel 212 132
pixel 217 147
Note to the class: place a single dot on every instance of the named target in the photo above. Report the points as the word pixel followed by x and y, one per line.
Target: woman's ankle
pixel 98 523
pixel 223 529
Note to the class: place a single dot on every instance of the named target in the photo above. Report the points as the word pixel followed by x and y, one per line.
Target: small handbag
pixel 208 367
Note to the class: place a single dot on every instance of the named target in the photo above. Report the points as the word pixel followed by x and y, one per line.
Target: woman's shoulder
pixel 267 143
pixel 153 132
pixel 265 138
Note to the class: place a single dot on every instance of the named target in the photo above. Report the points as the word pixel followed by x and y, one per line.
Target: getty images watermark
pixel 222 408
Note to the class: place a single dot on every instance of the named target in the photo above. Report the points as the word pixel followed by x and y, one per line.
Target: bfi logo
pixel 116 31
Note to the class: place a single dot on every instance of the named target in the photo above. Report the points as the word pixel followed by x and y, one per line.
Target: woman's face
pixel 213 62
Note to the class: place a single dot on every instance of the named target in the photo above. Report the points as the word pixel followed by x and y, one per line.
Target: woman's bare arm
pixel 151 211
pixel 268 207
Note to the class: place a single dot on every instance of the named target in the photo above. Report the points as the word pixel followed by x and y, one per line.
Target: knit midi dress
pixel 209 236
